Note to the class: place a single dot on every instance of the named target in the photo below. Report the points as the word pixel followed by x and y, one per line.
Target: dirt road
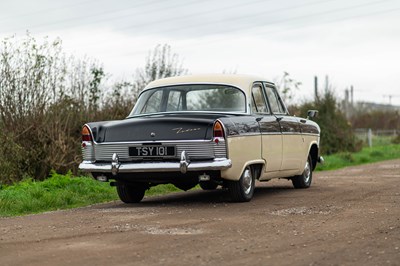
pixel 348 217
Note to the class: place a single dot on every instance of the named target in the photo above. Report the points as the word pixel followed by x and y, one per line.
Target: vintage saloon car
pixel 211 130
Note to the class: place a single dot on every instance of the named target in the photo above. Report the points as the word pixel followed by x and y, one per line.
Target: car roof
pixel 243 82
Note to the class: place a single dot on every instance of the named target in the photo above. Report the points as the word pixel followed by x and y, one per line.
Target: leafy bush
pixel 376 119
pixel 346 156
pixel 396 140
pixel 46 97
pixel 336 132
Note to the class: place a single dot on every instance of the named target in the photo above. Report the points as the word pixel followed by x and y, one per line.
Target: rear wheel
pixel 130 193
pixel 243 189
pixel 304 180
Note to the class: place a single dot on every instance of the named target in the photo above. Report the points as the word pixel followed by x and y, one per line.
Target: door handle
pixel 279 118
pixel 303 121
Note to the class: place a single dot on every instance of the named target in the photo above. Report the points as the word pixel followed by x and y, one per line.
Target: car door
pixel 292 140
pixel 271 136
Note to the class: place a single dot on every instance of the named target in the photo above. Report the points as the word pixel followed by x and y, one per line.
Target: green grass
pixel 66 191
pixel 377 140
pixel 54 193
pixel 162 190
pixel 366 155
pixel 60 192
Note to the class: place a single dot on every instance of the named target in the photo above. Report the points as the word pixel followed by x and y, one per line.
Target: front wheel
pixel 243 189
pixel 304 180
pixel 130 193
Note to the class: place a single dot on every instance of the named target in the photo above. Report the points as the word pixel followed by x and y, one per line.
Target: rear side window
pixel 258 99
pixel 277 106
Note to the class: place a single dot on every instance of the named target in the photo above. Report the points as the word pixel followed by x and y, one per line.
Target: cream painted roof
pixel 243 82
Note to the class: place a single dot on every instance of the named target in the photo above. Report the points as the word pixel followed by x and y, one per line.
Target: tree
pixel 287 87
pixel 160 63
pixel 45 97
pixel 118 103
pixel 94 87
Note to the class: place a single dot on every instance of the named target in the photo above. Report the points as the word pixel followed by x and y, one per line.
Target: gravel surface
pixel 348 217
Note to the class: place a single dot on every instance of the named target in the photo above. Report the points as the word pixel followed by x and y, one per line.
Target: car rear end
pixel 164 159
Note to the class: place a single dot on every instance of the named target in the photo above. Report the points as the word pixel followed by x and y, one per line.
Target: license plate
pixel 152 151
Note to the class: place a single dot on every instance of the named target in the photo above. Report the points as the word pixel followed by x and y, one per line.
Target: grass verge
pixel 366 155
pixel 66 191
pixel 60 192
pixel 54 193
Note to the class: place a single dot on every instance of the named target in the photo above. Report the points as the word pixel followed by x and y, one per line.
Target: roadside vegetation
pixel 47 96
pixel 60 192
pixel 366 155
pixel 56 192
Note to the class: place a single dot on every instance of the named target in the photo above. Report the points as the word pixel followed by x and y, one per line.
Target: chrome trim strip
pixel 154 141
pixel 291 133
pixel 271 133
pixel 244 135
pixel 221 140
pixel 90 130
pixel 87 148
pixel 194 83
pixel 188 112
pixel 310 134
pixel 216 164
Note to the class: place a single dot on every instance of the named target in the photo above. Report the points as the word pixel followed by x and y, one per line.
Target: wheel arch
pixel 256 166
pixel 257 169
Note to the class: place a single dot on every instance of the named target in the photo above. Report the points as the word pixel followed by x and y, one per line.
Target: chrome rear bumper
pixel 131 167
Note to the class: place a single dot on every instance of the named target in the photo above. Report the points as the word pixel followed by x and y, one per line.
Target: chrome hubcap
pixel 247 181
pixel 307 172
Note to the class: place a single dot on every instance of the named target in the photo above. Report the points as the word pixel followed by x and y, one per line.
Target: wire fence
pixel 376 137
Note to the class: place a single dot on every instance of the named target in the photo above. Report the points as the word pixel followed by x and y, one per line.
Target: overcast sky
pixel 354 42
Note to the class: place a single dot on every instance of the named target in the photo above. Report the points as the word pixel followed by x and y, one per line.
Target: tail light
pixel 86 136
pixel 218 131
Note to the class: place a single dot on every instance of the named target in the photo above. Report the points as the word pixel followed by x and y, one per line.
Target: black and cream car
pixel 212 130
